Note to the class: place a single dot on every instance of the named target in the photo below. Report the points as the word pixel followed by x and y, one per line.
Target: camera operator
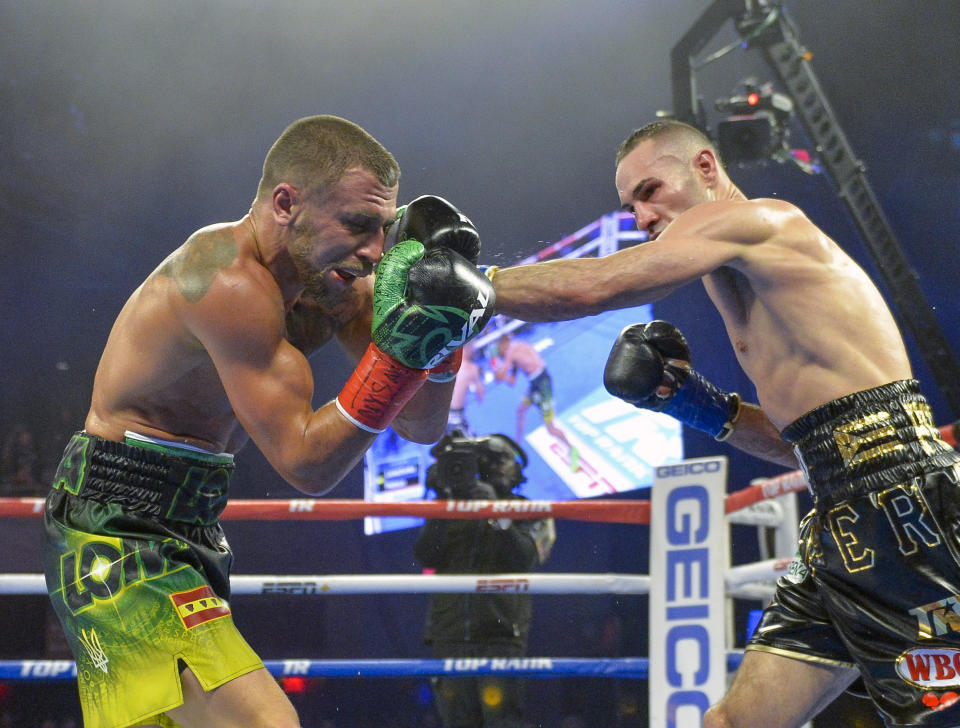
pixel 480 625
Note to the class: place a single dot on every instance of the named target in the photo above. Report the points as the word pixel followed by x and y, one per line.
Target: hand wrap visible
pixel 377 390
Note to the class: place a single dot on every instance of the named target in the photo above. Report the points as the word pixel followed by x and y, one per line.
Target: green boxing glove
pixel 426 305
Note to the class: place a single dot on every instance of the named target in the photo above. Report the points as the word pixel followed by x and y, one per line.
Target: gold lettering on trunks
pixel 855 556
pixel 905 511
pixel 922 418
pixel 854 438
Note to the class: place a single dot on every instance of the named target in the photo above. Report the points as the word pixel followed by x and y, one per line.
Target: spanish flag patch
pixel 198 606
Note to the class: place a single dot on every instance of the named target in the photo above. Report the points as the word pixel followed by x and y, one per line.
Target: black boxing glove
pixel 649 367
pixel 636 368
pixel 435 222
pixel 427 304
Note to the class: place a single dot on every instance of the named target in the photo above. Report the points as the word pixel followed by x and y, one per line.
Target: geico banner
pixel 688 554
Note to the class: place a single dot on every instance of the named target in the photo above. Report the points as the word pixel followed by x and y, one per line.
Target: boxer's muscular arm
pixel 424 418
pixel 699 241
pixel 270 384
pixel 756 435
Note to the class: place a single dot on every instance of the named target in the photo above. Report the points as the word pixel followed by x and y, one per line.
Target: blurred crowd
pixel 30 451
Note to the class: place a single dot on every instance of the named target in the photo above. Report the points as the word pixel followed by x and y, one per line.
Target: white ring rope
pixel 527 583
pixel 306 585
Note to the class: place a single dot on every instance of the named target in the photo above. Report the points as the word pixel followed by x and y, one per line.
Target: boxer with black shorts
pixel 875 581
pixel 211 350
pixel 875 591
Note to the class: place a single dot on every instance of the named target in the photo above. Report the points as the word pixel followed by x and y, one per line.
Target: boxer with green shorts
pixel 210 351
pixel 137 567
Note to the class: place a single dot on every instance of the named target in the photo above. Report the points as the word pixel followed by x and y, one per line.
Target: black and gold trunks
pixel 876 583
pixel 867 440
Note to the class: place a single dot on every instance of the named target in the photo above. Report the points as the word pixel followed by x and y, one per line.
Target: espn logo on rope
pixel 199 605
pixel 930 667
pixel 488 586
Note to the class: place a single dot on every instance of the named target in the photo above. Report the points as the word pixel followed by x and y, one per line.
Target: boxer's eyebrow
pixel 635 193
pixel 362 220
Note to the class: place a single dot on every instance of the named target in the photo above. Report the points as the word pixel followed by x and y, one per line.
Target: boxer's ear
pixel 286 201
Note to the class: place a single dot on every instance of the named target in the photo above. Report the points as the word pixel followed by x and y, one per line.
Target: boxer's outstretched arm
pixel 569 288
pixel 706 237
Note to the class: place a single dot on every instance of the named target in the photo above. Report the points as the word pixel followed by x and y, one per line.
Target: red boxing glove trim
pixel 377 390
pixel 446 370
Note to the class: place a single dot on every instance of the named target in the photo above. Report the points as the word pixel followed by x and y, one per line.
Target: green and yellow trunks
pixel 137 568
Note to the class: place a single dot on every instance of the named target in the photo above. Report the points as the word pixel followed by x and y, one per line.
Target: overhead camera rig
pixel 758 128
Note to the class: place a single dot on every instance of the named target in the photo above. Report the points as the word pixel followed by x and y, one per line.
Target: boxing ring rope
pixel 752 505
pixel 599 510
pixel 606 511
pixel 527 583
pixel 322 585
pixel 539 667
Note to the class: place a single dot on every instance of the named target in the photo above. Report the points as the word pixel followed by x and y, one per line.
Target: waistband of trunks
pixel 868 440
pixel 146 479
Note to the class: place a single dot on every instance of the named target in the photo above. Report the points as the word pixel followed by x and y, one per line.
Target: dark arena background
pixel 125 125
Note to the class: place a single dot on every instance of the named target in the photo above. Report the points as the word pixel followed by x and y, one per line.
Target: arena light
pixel 293 685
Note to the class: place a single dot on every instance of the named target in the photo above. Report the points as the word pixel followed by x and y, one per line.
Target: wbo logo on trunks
pixel 199 605
pixel 930 667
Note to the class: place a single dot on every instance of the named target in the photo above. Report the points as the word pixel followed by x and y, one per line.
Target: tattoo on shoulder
pixel 194 266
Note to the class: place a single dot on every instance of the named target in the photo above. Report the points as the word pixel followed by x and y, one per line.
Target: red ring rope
pixel 322 509
pixel 605 511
